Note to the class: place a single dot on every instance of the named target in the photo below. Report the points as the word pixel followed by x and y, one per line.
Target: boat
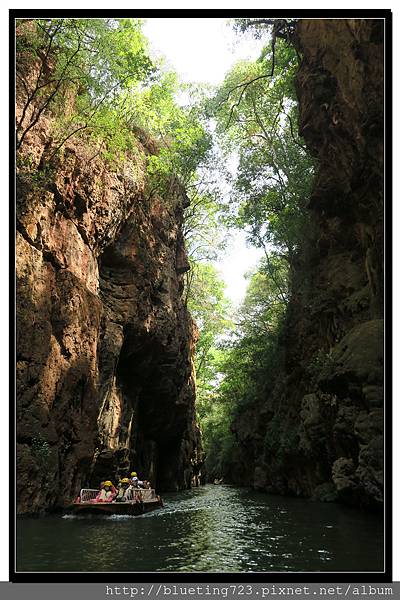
pixel 138 502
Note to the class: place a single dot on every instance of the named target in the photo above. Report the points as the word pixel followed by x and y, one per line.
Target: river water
pixel 212 528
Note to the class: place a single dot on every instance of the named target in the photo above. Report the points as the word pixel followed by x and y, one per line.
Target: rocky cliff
pixel 318 431
pixel 105 344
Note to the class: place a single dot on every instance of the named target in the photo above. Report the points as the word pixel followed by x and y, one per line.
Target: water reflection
pixel 216 528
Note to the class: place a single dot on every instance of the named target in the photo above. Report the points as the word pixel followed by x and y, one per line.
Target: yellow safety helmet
pixel 107 484
pixel 134 474
pixel 125 480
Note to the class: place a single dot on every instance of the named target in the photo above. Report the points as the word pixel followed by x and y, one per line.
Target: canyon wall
pixel 105 377
pixel 318 430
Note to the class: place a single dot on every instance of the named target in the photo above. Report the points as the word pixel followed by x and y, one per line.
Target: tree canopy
pixel 255 111
pixel 95 78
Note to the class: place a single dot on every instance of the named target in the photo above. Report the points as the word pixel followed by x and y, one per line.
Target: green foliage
pixel 183 140
pixel 80 68
pixel 96 79
pixel 203 231
pixel 40 450
pixel 281 444
pixel 210 309
pixel 259 28
pixel 263 307
pixel 321 362
pixel 211 312
pixel 251 358
pixel 256 115
pixel 238 369
pixel 219 442
pixel 186 145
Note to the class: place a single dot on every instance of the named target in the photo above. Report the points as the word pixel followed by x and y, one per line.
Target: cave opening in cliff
pixel 200 284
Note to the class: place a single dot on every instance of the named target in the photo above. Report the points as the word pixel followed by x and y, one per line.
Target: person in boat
pixel 134 480
pixel 107 492
pixel 123 486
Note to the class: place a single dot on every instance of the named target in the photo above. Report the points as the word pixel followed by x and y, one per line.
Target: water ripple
pixel 209 529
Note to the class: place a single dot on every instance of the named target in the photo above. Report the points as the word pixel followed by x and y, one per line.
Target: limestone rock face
pixel 105 378
pixel 322 419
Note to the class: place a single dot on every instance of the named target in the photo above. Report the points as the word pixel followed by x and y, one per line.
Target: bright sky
pixel 202 51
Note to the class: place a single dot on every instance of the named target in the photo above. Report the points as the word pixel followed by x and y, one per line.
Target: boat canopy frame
pixel 131 495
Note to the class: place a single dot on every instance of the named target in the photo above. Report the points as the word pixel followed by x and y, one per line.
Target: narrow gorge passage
pixel 200 291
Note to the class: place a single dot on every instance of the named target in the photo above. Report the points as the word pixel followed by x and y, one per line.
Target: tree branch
pixel 293 136
pixel 61 80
